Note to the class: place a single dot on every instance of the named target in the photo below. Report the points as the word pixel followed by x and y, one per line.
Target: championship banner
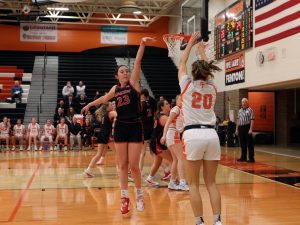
pixel 37 32
pixel 114 35
pixel 235 69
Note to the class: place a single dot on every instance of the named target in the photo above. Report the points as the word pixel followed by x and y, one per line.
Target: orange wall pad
pixel 76 38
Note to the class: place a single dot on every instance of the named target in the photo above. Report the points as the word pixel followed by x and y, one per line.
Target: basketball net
pixel 173 42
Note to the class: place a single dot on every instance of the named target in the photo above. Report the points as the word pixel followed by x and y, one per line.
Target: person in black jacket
pixel 87 133
pixel 75 133
pixel 58 114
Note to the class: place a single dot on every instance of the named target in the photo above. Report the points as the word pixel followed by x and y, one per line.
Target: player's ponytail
pixel 202 70
pixel 101 111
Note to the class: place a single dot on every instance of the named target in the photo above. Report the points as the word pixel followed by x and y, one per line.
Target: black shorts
pixel 156 147
pixel 103 137
pixel 147 132
pixel 128 131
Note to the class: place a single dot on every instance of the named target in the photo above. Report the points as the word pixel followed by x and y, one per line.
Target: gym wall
pixel 77 38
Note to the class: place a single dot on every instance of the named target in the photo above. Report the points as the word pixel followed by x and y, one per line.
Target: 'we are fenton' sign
pixel 235 69
pixel 36 32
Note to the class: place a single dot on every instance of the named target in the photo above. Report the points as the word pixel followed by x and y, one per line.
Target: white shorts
pixel 62 136
pixel 172 137
pixel 48 137
pixel 201 144
pixel 4 136
pixel 19 137
pixel 33 135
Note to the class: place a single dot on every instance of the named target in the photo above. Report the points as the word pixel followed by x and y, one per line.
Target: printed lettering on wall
pixel 36 32
pixel 235 69
pixel 114 35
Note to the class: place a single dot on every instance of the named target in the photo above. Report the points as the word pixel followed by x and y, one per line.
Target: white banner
pixel 37 32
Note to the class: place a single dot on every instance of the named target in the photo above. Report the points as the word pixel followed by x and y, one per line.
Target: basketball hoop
pixel 173 42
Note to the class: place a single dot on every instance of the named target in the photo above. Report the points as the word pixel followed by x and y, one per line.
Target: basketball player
pixel 128 133
pixel 19 135
pixel 48 133
pixel 200 141
pixel 33 133
pixel 4 131
pixel 62 131
pixel 105 115
pixel 171 136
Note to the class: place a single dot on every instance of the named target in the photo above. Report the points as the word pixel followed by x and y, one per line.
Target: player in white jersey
pixel 4 131
pixel 33 133
pixel 171 136
pixel 62 133
pixel 18 135
pixel 48 133
pixel 200 140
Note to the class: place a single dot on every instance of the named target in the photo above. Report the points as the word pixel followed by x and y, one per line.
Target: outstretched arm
pixel 185 56
pixel 135 75
pixel 201 50
pixel 102 99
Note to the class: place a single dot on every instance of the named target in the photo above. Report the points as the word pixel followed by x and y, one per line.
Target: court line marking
pixel 281 154
pixel 23 195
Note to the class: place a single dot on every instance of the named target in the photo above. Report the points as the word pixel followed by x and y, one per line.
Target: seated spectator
pixel 16 92
pixel 81 103
pixel 59 114
pixel 70 115
pixel 71 103
pixel 48 133
pixel 80 90
pixel 87 133
pixel 161 98
pixel 62 134
pixel 18 135
pixel 33 133
pixel 4 131
pixel 97 95
pixel 67 90
pixel 89 116
pixel 75 132
pixel 61 104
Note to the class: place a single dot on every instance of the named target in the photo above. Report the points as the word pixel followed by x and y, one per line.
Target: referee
pixel 244 130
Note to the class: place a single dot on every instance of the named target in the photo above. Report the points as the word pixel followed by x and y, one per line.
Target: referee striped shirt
pixel 245 116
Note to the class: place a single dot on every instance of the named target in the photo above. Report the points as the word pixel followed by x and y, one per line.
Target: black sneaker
pixel 251 161
pixel 242 160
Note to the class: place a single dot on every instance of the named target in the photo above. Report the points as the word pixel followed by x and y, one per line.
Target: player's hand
pixel 145 39
pixel 85 109
pixel 250 131
pixel 195 38
pixel 163 140
pixel 236 132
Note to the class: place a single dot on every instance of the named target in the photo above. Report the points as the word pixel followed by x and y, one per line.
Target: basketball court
pixel 47 187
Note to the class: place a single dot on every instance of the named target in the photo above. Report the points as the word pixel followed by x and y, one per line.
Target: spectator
pixel 81 103
pixel 61 104
pixel 75 132
pixel 90 116
pixel 70 103
pixel 16 92
pixel 80 90
pixel 70 115
pixel 97 95
pixel 87 133
pixel 161 98
pixel 67 90
pixel 59 114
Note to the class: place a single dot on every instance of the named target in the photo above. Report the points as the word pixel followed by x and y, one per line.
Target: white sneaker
pixel 41 148
pixel 183 187
pixel 172 185
pixel 140 206
pixel 88 173
pixel 7 148
pixel 55 148
pixel 151 182
pixel 51 148
pixel 35 148
pixel 66 148
pixel 218 223
pixel 21 148
pixel 28 149
pixel 13 148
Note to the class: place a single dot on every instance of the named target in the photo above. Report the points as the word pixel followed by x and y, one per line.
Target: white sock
pixel 88 169
pixel 138 193
pixel 199 220
pixel 217 217
pixel 124 193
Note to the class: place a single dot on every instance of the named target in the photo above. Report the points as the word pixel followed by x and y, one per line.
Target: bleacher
pixel 161 75
pixel 14 66
pixel 97 73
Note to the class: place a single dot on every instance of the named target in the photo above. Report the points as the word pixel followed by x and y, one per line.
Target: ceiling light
pixel 137 12
pixel 129 7
pixel 58 8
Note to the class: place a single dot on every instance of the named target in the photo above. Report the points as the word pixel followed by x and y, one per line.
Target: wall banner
pixel 114 35
pixel 235 69
pixel 37 32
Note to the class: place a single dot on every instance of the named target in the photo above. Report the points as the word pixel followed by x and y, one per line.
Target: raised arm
pixel 201 51
pixel 182 68
pixel 135 75
pixel 102 99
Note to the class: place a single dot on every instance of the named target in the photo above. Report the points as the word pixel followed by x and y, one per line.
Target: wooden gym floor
pixel 48 188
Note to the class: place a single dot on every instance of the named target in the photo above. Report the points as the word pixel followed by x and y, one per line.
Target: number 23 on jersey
pixel 200 101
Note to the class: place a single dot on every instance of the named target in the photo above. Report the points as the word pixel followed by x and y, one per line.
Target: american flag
pixel 275 20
